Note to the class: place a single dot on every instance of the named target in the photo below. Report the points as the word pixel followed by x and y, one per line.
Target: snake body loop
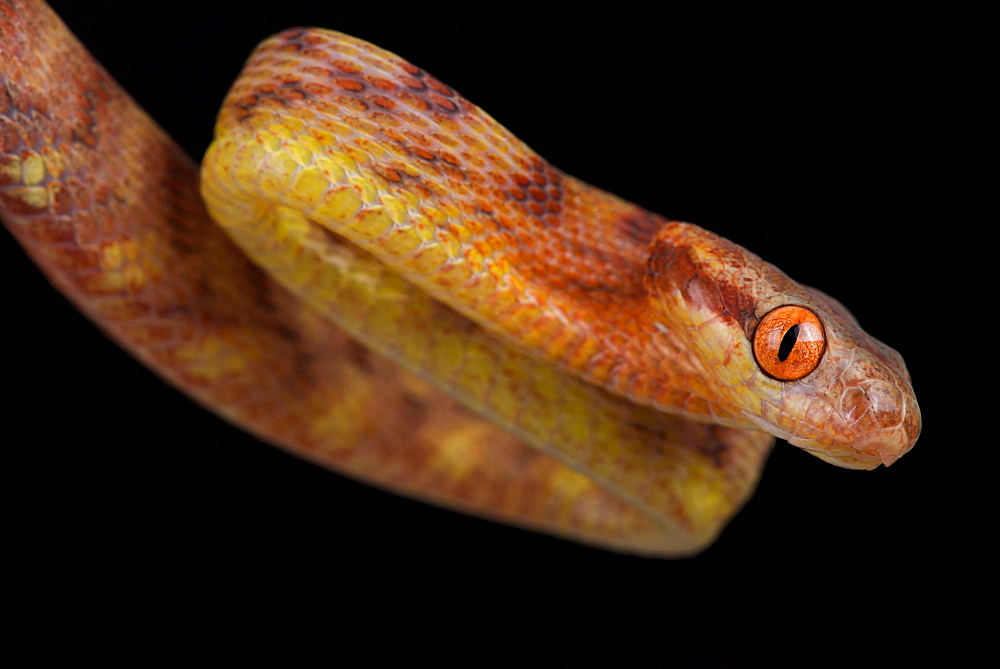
pixel 536 350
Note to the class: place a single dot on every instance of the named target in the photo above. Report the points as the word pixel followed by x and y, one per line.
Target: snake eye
pixel 789 343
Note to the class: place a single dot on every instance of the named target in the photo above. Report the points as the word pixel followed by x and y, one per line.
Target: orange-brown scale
pixel 718 294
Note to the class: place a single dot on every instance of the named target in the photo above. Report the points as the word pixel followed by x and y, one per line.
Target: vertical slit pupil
pixel 788 343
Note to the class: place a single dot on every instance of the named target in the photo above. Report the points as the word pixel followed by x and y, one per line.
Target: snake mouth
pixel 887 450
pixel 859 454
pixel 847 461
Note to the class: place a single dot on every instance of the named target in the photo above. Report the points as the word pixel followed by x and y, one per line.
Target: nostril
pixel 876 404
pixel 853 404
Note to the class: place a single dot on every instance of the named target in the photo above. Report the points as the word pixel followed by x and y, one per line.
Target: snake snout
pixel 886 418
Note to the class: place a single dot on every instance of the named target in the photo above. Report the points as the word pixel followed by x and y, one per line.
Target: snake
pixel 372 273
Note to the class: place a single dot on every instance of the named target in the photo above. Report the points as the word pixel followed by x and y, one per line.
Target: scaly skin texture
pixel 324 133
pixel 567 325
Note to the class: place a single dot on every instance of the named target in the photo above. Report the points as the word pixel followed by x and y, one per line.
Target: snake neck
pixel 583 303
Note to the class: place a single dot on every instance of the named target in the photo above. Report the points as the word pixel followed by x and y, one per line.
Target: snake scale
pixel 372 273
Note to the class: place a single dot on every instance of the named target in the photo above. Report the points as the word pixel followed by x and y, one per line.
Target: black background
pixel 852 144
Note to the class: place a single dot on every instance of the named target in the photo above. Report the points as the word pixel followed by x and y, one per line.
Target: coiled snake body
pixel 536 350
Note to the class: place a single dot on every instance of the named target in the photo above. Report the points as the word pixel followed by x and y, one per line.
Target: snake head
pixel 792 361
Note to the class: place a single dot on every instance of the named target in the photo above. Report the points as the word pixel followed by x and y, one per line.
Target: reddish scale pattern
pixel 563 236
pixel 537 187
